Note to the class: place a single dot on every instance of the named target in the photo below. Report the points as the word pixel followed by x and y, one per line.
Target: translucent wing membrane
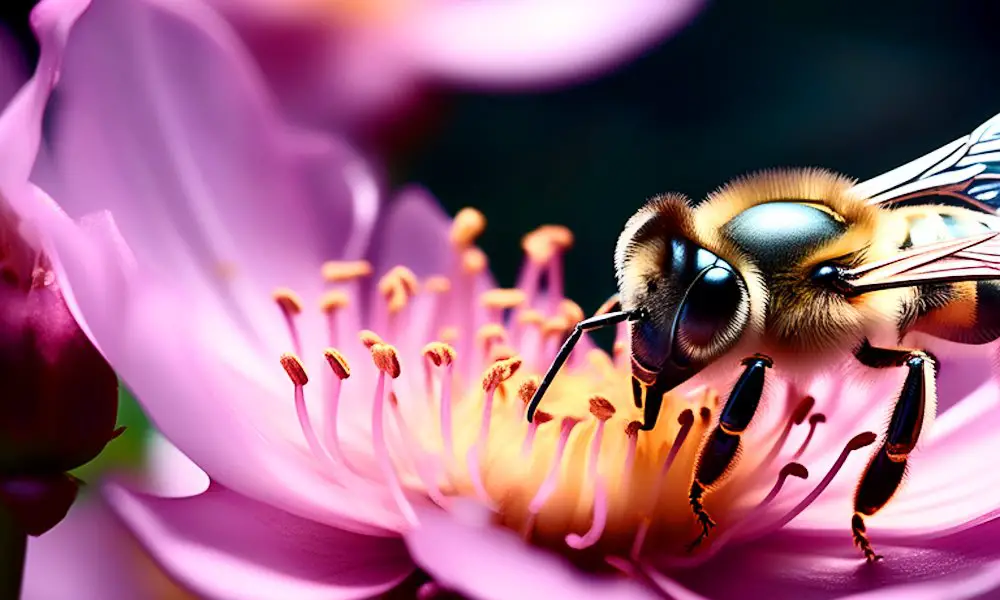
pixel 964 259
pixel 966 170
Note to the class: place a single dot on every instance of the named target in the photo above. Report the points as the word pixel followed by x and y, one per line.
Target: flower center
pixel 454 370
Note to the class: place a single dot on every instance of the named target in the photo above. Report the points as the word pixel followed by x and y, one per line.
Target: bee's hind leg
pixel 718 455
pixel 885 471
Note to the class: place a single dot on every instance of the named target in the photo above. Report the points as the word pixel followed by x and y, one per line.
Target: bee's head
pixel 695 304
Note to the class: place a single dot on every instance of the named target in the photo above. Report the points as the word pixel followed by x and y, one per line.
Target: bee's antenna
pixel 598 322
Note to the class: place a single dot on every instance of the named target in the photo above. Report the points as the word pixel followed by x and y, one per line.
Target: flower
pixel 319 402
pixel 354 62
pixel 60 395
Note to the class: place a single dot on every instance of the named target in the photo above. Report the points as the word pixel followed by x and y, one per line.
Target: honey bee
pixel 798 270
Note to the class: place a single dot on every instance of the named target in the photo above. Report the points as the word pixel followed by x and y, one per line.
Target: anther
pixel 500 371
pixel 341 271
pixel 705 413
pixel 803 409
pixel 468 225
pixel 369 338
pixel 386 359
pixel 439 353
pixel 338 364
pixel 558 325
pixel 293 366
pixel 474 261
pixel 290 305
pixel 502 298
pixel 490 333
pixel 288 301
pixel 398 277
pixel 449 335
pixel 601 408
pixel 333 300
pixel 530 317
pixel 437 284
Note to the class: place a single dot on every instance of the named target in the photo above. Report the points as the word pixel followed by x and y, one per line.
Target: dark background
pixel 857 86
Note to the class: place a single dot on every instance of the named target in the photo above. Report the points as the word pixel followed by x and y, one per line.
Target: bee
pixel 801 270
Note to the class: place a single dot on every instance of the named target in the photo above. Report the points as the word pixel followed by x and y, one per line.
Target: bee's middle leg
pixel 885 471
pixel 718 455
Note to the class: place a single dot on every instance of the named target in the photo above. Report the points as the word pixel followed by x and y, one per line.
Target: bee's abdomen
pixel 967 312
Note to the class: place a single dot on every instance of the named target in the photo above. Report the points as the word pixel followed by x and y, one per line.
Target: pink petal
pixel 513 43
pixel 481 561
pixel 164 121
pixel 225 545
pixel 415 234
pixel 85 557
pixel 793 564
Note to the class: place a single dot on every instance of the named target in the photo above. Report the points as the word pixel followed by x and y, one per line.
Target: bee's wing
pixel 967 169
pixel 964 259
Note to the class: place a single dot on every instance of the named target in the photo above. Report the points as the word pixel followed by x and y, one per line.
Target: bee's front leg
pixel 916 403
pixel 718 455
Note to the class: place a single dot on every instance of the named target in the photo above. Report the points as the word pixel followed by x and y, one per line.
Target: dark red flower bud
pixel 59 396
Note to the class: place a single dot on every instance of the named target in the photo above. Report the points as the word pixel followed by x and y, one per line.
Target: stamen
pixel 602 411
pixel 632 433
pixel 442 355
pixel 789 470
pixel 297 373
pixel 384 357
pixel 856 443
pixel 525 393
pixel 290 305
pixel 796 418
pixel 341 371
pixel 449 335
pixel 552 479
pixel 489 335
pixel 499 372
pixel 342 271
pixel 427 471
pixel 685 420
pixel 814 420
pixel 467 226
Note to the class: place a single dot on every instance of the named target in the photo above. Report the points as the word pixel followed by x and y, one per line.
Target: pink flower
pixel 337 473
pixel 355 61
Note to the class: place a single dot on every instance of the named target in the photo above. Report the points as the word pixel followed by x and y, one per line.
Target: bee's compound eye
pixel 710 309
pixel 649 344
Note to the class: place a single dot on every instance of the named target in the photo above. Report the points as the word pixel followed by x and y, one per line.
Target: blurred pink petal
pixel 86 557
pixel 486 562
pixel 351 64
pixel 224 545
pixel 522 43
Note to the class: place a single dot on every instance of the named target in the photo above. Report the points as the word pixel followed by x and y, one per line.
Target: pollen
pixel 343 271
pixel 293 366
pixel 338 364
pixel 399 277
pixel 288 301
pixel 527 389
pixel 468 225
pixel 439 353
pixel 386 359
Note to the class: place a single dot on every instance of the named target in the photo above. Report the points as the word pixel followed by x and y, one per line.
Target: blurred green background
pixel 852 85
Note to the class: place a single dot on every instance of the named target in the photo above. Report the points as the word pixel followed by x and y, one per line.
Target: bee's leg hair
pixel 887 467
pixel 718 454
